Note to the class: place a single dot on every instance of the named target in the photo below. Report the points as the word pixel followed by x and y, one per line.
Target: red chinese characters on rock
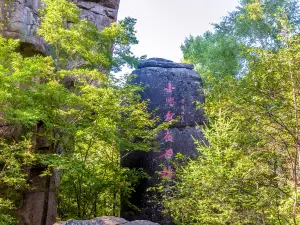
pixel 168 136
pixel 168 154
pixel 169 116
pixel 167 172
pixel 169 88
pixel 170 101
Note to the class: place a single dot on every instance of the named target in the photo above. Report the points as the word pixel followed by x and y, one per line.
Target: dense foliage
pixel 249 172
pixel 65 113
pixel 70 102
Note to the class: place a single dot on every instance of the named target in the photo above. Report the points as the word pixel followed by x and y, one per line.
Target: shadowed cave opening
pixel 134 160
pixel 29 50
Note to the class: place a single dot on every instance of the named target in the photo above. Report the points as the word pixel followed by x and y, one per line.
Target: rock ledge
pixel 163 63
pixel 106 220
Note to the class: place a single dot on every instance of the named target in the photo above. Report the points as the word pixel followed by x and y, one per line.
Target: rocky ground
pixel 106 220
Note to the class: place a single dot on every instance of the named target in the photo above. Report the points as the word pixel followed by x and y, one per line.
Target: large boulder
pixel 171 87
pixel 173 91
pixel 106 220
pixel 141 222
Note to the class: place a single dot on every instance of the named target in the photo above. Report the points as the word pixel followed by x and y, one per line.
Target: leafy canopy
pixel 69 101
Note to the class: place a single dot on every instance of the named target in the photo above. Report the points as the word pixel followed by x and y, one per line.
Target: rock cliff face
pixel 172 90
pixel 20 19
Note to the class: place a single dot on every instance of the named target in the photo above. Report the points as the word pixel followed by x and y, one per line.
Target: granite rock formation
pixel 173 90
pixel 106 220
pixel 20 20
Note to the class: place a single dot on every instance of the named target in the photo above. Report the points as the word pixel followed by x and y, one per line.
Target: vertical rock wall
pixel 173 90
pixel 20 19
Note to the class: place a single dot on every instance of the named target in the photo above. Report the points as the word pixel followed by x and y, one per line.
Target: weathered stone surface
pixel 153 162
pixel 39 205
pixel 102 12
pixel 9 131
pixel 183 140
pixel 163 63
pixel 183 143
pixel 185 86
pixel 106 220
pixel 21 18
pixel 141 222
pixel 172 91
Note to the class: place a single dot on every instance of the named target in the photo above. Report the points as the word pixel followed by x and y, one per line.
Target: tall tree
pixel 260 104
pixel 85 118
pixel 226 184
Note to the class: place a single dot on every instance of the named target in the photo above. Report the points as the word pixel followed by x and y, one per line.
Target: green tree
pixel 213 52
pixel 260 98
pixel 226 184
pixel 269 97
pixel 253 24
pixel 86 118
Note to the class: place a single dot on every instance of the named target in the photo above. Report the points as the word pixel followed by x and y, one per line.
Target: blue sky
pixel 162 25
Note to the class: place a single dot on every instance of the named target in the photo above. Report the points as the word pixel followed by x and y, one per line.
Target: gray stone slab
pixel 141 222
pixel 163 63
